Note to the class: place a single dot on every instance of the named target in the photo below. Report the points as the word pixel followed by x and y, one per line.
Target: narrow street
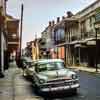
pixel 43 37
pixel 15 87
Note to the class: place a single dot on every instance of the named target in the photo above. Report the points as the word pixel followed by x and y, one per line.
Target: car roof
pixel 49 60
pixel 28 59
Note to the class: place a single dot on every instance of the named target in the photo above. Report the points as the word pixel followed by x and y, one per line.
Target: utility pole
pixel 20 41
pixel 57 45
pixel 22 7
pixel 36 45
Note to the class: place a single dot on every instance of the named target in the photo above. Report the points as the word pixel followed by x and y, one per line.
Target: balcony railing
pixel 85 35
pixel 13 39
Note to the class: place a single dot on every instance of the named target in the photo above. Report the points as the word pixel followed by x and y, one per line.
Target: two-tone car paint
pixel 54 80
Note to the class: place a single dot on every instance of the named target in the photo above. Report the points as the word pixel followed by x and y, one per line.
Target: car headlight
pixel 74 76
pixel 41 81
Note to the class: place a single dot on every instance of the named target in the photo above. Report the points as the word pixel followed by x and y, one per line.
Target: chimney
pixel 63 17
pixel 58 19
pixel 49 23
pixel 69 14
pixel 53 23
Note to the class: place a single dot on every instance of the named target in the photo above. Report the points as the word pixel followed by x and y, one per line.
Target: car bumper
pixel 60 88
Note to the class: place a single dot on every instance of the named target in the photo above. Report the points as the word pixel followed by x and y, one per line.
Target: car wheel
pixel 35 87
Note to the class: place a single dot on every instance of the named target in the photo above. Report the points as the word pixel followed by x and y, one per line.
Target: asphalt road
pixel 21 88
pixel 89 88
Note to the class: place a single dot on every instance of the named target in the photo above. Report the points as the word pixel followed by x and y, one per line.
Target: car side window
pixel 36 69
pixel 40 67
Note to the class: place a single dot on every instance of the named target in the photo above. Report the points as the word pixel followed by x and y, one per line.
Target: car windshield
pixel 50 66
pixel 31 64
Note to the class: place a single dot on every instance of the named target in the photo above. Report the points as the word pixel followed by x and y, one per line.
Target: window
pixel 59 35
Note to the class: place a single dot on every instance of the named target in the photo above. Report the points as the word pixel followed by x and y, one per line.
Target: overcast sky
pixel 37 13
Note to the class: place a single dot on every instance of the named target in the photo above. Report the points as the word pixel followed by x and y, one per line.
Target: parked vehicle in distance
pixel 28 66
pixel 50 75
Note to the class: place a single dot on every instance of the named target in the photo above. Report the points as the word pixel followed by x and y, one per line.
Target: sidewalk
pixel 15 87
pixel 6 83
pixel 83 68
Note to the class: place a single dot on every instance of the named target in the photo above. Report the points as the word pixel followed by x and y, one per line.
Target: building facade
pixel 76 37
pixel 13 34
pixel 3 37
pixel 87 48
pixel 32 49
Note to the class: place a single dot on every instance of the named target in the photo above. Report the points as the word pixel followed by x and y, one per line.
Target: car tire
pixel 35 88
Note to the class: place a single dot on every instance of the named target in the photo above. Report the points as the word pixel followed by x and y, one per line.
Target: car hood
pixel 56 74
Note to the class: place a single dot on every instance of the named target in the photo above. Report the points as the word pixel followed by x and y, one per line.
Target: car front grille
pixel 60 83
pixel 56 80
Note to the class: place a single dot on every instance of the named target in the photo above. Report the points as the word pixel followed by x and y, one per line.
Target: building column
pixel 79 55
pixel 0 51
pixel 1 55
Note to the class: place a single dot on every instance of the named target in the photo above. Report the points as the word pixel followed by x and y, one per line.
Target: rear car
pixel 28 67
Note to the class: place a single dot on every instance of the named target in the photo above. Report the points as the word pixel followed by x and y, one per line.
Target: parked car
pixel 50 75
pixel 28 66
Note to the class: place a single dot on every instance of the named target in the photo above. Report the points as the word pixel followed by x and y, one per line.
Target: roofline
pixel 64 20
pixel 87 7
pixel 74 18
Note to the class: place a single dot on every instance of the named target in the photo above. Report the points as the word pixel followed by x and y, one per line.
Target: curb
pixel 76 69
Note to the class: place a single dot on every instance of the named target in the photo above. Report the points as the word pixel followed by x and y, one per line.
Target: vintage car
pixel 28 67
pixel 51 75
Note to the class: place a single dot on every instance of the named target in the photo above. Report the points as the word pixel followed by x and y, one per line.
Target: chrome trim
pixel 60 88
pixel 60 82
